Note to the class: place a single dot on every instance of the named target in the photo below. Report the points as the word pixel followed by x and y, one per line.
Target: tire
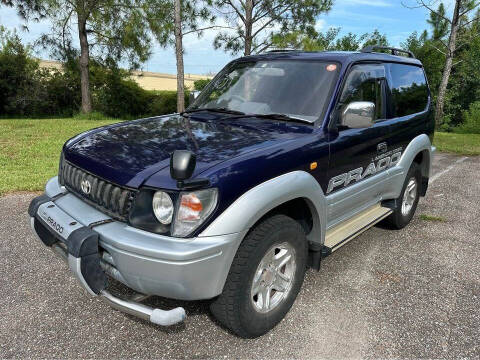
pixel 403 214
pixel 238 308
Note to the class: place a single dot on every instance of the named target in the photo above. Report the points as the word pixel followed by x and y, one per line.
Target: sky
pixel 390 17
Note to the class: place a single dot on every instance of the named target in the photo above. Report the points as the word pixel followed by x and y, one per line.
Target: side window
pixel 365 83
pixel 409 90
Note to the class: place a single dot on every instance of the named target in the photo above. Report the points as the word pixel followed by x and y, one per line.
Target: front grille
pixel 111 199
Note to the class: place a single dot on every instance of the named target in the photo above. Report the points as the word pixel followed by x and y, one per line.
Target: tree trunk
pixel 179 56
pixel 442 90
pixel 248 27
pixel 83 63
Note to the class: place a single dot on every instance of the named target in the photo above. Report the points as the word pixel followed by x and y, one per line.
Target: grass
pixel 426 217
pixel 464 144
pixel 30 149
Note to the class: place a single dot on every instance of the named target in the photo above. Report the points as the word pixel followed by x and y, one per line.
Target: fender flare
pixel 398 173
pixel 256 202
pixel 417 145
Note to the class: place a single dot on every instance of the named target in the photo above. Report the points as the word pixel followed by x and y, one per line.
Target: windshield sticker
pixel 331 67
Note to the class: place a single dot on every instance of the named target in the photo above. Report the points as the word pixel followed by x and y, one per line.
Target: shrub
pixel 27 90
pixel 121 97
pixel 17 69
pixel 471 120
pixel 200 84
pixel 53 93
pixel 164 102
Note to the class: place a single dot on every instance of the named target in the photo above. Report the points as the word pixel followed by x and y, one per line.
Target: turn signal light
pixel 191 205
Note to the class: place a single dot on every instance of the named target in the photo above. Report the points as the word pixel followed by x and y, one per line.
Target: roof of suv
pixel 345 57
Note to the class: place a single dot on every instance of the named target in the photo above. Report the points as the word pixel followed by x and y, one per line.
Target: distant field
pixel 464 144
pixel 30 149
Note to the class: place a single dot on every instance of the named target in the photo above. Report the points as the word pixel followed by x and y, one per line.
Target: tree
pixel 26 8
pixel 438 23
pixel 329 41
pixel 110 30
pixel 254 23
pixel 187 15
pixel 456 24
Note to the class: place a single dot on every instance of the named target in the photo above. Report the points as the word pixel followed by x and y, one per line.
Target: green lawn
pixel 465 144
pixel 29 149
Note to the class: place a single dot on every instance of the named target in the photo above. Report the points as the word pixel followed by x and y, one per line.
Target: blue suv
pixel 282 159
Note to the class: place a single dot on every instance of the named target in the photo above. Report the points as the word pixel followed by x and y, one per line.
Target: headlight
pixel 162 207
pixel 194 207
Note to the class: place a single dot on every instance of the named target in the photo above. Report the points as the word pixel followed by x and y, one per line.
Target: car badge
pixel 86 186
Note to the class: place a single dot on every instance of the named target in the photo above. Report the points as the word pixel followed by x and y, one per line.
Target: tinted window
pixel 409 89
pixel 365 83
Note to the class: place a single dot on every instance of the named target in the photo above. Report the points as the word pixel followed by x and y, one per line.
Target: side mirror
pixel 182 164
pixel 193 96
pixel 358 115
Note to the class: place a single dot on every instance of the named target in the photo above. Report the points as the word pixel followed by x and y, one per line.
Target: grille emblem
pixel 86 186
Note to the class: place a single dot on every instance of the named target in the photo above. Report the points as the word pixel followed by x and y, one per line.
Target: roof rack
pixel 280 50
pixel 394 51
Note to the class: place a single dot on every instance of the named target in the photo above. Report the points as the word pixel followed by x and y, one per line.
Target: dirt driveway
pixel 405 294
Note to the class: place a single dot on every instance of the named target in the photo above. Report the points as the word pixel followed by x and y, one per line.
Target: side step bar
pixel 346 231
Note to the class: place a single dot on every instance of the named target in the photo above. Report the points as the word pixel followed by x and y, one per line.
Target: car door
pixel 354 183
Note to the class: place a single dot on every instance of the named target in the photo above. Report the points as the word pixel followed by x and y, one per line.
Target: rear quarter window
pixel 409 90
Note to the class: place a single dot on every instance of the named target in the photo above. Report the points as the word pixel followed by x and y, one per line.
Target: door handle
pixel 382 148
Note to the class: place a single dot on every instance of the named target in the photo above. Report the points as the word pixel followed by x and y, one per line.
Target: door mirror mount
pixel 358 115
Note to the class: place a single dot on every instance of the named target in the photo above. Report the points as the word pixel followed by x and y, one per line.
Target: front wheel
pixel 264 279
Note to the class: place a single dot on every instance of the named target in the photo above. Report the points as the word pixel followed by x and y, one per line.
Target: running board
pixel 346 231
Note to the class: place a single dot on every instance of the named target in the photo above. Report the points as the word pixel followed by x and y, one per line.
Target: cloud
pixel 320 25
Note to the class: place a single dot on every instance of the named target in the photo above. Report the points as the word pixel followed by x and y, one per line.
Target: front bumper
pixel 186 269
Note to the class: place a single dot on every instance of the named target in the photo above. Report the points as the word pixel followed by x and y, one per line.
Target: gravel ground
pixel 388 294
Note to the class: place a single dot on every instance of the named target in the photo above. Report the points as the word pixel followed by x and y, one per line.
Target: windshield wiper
pixel 284 117
pixel 239 114
pixel 222 110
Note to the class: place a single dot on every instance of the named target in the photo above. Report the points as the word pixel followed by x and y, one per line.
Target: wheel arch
pixel 423 159
pixel 419 150
pixel 297 190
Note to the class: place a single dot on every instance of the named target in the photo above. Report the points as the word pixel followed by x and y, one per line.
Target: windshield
pixel 298 89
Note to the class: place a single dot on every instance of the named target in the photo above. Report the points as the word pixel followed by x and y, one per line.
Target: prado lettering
pixel 358 174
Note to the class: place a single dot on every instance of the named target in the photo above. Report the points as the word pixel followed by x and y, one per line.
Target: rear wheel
pixel 264 279
pixel 408 200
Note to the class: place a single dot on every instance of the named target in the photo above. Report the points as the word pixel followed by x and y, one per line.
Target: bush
pixel 471 120
pixel 53 93
pixel 200 84
pixel 120 97
pixel 164 102
pixel 17 70
pixel 27 90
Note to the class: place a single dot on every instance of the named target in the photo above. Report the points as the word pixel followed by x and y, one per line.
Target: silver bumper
pixel 130 306
pixel 183 269
pixel 151 264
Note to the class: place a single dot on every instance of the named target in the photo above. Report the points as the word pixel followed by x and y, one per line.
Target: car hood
pixel 129 153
